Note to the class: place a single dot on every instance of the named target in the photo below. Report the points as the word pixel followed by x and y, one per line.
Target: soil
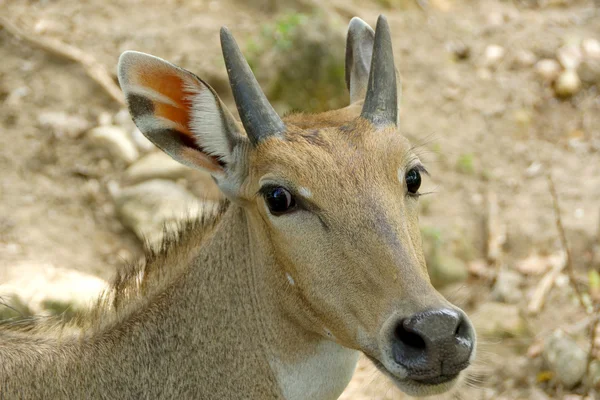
pixel 479 130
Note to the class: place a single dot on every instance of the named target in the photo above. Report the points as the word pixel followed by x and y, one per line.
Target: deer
pixel 313 257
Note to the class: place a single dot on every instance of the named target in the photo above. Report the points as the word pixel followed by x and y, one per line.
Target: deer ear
pixel 178 112
pixel 359 51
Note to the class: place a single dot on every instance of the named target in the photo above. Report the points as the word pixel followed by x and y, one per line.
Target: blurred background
pixel 501 99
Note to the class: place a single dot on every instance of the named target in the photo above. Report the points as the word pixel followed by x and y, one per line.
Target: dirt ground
pixel 482 127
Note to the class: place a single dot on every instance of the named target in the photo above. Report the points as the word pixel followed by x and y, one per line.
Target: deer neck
pixel 306 363
pixel 224 313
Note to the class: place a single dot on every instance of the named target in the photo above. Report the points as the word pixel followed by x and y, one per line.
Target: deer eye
pixel 413 180
pixel 279 200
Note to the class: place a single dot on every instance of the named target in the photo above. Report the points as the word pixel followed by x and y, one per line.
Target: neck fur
pixel 182 301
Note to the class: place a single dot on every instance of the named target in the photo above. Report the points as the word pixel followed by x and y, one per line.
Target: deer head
pixel 335 205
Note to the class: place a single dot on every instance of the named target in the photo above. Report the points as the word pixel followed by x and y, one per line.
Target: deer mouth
pixel 419 387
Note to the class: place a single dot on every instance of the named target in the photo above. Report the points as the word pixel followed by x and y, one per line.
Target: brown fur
pixel 143 328
pixel 143 339
pixel 246 304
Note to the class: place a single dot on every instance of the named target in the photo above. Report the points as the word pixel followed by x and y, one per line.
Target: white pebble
pixel 525 58
pixel 495 19
pixel 123 118
pixel 591 48
pixel 534 169
pixel 493 55
pixel 548 69
pixel 569 56
pixel 116 141
pixel 567 84
pixel 141 141
pixel 104 118
pixel 62 123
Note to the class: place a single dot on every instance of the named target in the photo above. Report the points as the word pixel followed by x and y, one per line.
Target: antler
pixel 258 116
pixel 381 102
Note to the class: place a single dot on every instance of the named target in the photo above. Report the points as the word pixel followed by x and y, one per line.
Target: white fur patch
pixel 305 192
pixel 290 279
pixel 323 376
pixel 207 122
pixel 150 94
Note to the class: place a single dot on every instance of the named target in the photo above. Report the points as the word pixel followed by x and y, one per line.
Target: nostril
pixel 459 331
pixel 410 339
pixel 462 330
pixel 409 348
pixel 464 335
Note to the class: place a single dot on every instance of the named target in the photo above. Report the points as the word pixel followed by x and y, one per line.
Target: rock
pixel 141 141
pixel 534 169
pixel 567 84
pixel 493 55
pixel 525 58
pixel 155 165
pixel 123 118
pixel 146 208
pixel 507 287
pixel 104 118
pixel 589 71
pixel 569 56
pixel 565 358
pixel 158 165
pixel 547 69
pixel 495 19
pixel 116 141
pixel 15 97
pixel 62 123
pixel 537 394
pixel 594 375
pixel 45 289
pixel 575 397
pixel 299 60
pixel 499 320
pixel 591 48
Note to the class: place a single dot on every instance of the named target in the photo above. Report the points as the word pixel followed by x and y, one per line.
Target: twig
pixel 565 244
pixel 593 333
pixel 576 328
pixel 543 288
pixel 496 232
pixel 92 68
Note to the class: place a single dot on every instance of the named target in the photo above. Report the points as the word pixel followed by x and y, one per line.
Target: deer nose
pixel 433 346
